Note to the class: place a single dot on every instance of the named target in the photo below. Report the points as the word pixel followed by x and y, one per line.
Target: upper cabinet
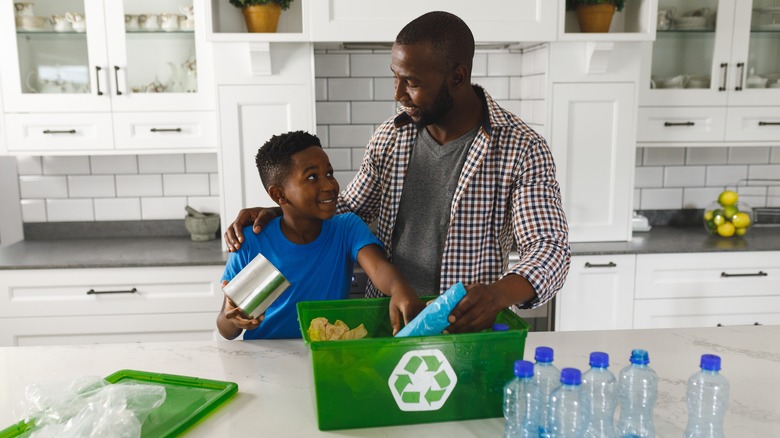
pixel 84 75
pixel 636 22
pixel 718 61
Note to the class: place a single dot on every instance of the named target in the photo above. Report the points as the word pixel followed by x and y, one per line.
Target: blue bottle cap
pixel 571 376
pixel 599 359
pixel 544 354
pixel 710 362
pixel 524 368
pixel 498 327
pixel 639 357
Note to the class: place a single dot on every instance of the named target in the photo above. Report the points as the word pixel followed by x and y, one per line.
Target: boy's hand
pixel 404 305
pixel 258 217
pixel 239 318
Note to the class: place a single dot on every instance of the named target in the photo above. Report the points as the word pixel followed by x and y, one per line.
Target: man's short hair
pixel 450 37
pixel 274 158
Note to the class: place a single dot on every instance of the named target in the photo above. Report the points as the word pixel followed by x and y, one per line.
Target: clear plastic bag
pixel 89 407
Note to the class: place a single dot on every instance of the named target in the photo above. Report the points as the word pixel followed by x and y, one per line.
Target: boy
pixel 309 244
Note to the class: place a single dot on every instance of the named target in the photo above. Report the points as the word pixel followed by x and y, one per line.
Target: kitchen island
pixel 275 380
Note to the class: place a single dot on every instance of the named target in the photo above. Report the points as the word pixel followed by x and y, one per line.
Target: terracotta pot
pixel 595 18
pixel 262 18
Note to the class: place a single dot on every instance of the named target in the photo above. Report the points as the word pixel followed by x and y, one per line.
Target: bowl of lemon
pixel 728 216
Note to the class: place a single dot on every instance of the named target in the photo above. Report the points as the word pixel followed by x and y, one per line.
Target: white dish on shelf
pixel 775 26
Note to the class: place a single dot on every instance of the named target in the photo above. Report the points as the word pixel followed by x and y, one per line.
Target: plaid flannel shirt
pixel 507 193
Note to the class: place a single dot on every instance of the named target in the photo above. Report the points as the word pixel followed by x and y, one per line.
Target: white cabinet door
pixel 496 20
pixel 593 131
pixel 250 116
pixel 598 294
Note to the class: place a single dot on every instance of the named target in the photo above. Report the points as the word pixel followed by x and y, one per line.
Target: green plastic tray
pixel 375 381
pixel 187 401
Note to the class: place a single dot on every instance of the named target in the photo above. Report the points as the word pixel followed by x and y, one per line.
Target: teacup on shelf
pixel 678 81
pixel 698 81
pixel 77 21
pixel 61 24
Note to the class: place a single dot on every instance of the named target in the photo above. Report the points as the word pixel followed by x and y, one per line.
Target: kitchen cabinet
pixel 707 290
pixel 107 305
pixel 712 61
pixel 636 22
pixel 130 75
pixel 598 294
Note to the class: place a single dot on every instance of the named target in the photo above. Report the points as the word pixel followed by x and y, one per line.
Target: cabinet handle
pixel 54 131
pixel 600 265
pixel 741 67
pixel 753 274
pixel 768 123
pixel 165 129
pixel 94 292
pixel 97 79
pixel 679 123
pixel 724 67
pixel 721 325
pixel 116 80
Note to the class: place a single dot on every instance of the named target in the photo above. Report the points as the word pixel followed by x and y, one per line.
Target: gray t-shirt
pixel 424 212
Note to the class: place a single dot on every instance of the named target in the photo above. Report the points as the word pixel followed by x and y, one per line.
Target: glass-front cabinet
pixel 100 55
pixel 713 53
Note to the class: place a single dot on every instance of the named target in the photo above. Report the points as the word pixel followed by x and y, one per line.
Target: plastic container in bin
pixel 384 381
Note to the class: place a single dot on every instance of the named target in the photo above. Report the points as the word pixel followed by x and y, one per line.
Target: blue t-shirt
pixel 319 270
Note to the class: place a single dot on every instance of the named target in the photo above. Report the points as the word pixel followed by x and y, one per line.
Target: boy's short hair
pixel 274 158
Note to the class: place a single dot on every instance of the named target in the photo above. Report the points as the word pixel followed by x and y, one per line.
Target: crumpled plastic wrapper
pixel 433 319
pixel 89 407
pixel 320 329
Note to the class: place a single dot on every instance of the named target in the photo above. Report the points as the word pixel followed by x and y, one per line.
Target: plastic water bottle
pixel 599 386
pixel 637 392
pixel 548 377
pixel 708 399
pixel 568 408
pixel 522 403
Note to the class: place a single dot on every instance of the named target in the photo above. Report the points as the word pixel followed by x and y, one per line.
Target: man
pixel 452 180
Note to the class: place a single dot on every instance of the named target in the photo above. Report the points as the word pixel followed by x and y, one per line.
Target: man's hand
pixel 258 217
pixel 404 305
pixel 476 311
pixel 239 318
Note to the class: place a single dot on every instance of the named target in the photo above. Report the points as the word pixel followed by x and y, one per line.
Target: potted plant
pixel 261 15
pixel 595 15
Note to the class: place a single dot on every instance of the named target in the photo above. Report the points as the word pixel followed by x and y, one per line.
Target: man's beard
pixel 441 107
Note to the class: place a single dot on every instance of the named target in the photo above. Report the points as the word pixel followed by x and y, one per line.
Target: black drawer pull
pixel 97 80
pixel 768 123
pixel 679 123
pixel 54 131
pixel 94 292
pixel 600 265
pixel 165 129
pixel 753 274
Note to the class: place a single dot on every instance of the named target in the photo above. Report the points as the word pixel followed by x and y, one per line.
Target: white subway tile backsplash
pixel 753 196
pixel 357 157
pixel 350 89
pixel 515 87
pixel 638 156
pixel 331 65
pixel 201 163
pixel 117 209
pixel 320 89
pixel 526 112
pixel 369 65
pixel 350 135
pixel 664 156
pixel 28 165
pixel 497 87
pixel 647 177
pixel 191 184
pixel 768 171
pixel 344 177
pixel 139 185
pixel 539 111
pixel 214 184
pixel 775 155
pixel 384 89
pixel 479 65
pixel 700 197
pixel 329 113
pixel 340 158
pixel 661 199
pixel 166 163
pixel 372 112
pixel 513 106
pixel 637 199
pixel 69 210
pixel 773 197
pixel 725 175
pixel 33 210
pixel 748 155
pixel 34 186
pixel 540 59
pixel 684 176
pixel 163 208
pixel 707 155
pixel 113 164
pixel 66 165
pixel 204 204
pixel 504 64
pixel 323 133
pixel 91 186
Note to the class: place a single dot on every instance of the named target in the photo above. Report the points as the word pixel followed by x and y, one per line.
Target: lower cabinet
pixel 109 305
pixel 598 294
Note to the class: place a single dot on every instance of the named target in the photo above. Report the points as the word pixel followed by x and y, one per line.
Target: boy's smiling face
pixel 310 190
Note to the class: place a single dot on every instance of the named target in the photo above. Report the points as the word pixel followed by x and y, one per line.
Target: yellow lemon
pixel 726 229
pixel 740 231
pixel 708 215
pixel 727 197
pixel 741 220
pixel 730 211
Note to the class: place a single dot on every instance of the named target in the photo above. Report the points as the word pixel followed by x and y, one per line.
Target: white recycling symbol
pixel 422 381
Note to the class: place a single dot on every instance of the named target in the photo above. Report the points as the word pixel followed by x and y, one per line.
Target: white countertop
pixel 275 381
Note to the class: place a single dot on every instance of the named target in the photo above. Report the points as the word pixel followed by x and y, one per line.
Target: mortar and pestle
pixel 202 226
